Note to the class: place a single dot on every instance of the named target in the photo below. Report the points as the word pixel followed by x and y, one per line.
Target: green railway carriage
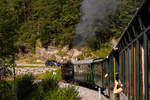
pixel 93 72
pixel 131 57
pixel 84 71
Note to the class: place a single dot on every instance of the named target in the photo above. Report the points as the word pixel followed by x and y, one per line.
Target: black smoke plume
pixel 93 12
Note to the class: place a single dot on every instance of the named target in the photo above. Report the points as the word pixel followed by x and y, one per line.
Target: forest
pixel 53 22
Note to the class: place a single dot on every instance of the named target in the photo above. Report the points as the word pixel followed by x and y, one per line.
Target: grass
pixel 51 73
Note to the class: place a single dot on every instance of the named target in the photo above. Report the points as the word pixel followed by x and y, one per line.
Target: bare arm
pixel 117 91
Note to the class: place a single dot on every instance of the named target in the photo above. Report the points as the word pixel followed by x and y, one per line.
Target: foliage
pixel 24 86
pixel 5 65
pixel 63 39
pixel 22 22
pixel 50 75
pixel 7 30
pixel 117 22
pixel 68 93
pixel 8 48
pixel 6 90
pixel 103 51
pixel 25 21
pixel 86 54
pixel 47 89
pixel 121 17
pixel 49 83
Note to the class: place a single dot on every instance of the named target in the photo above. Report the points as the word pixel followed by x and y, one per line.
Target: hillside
pixel 54 23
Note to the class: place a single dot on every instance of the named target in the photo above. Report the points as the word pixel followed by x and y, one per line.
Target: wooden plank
pixel 135 73
pixel 128 73
pixel 146 66
pixel 138 69
pixel 132 71
pixel 142 71
pixel 114 65
pixel 124 67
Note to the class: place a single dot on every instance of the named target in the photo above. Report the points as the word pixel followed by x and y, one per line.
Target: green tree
pixel 8 48
pixel 121 17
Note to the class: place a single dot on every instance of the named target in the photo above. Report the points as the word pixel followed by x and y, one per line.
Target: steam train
pixel 130 58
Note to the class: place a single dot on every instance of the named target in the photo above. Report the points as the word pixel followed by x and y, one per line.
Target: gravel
pixel 85 93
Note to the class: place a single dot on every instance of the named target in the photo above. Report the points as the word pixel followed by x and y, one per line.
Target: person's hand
pixel 120 82
pixel 116 83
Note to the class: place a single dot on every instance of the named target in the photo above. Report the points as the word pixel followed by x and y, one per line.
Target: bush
pixel 24 86
pixel 49 83
pixel 47 89
pixel 6 90
pixel 67 93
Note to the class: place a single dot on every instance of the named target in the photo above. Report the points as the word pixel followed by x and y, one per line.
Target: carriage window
pixel 98 74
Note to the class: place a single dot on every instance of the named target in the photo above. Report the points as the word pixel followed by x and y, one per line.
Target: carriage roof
pixel 89 61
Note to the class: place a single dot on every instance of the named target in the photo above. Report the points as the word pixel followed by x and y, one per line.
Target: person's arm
pixel 117 91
